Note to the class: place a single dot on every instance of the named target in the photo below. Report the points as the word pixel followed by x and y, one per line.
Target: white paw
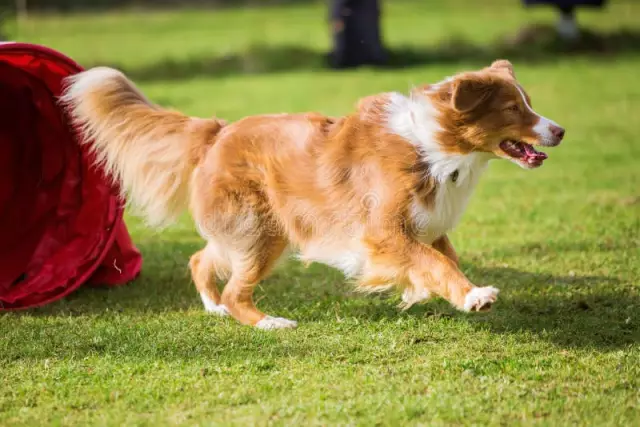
pixel 269 322
pixel 212 307
pixel 411 296
pixel 480 299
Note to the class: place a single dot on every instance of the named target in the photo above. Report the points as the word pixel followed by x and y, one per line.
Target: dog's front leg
pixel 412 295
pixel 444 246
pixel 424 270
pixel 438 273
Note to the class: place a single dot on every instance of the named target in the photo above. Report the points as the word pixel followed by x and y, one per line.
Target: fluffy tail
pixel 150 152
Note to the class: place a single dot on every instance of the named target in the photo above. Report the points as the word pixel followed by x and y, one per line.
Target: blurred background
pixel 185 39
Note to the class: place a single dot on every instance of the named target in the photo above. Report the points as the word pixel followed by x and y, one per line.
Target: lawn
pixel 561 347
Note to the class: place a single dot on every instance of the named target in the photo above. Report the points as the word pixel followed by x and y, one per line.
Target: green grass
pixel 562 244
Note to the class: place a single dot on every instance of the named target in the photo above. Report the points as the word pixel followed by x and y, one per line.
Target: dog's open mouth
pixel 523 153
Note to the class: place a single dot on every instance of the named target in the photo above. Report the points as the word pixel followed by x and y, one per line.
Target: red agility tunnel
pixel 61 220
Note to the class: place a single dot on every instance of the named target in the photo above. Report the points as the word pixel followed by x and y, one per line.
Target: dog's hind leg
pixel 203 273
pixel 248 268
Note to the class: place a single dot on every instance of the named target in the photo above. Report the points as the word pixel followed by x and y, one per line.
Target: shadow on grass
pixel 537 43
pixel 568 310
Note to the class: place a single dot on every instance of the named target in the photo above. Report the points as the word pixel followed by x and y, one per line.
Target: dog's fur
pixel 373 193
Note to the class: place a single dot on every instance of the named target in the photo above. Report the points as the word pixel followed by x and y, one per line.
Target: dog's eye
pixel 513 108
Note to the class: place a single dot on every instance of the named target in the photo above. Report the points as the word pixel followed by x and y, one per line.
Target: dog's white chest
pixel 432 220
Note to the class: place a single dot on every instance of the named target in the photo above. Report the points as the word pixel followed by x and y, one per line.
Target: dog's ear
pixel 503 66
pixel 471 91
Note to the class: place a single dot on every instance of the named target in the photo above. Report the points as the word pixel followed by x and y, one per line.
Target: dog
pixel 373 193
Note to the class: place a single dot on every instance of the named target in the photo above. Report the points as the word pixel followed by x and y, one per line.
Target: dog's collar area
pixel 454 175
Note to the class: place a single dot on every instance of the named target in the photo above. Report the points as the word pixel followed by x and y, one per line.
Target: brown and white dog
pixel 373 193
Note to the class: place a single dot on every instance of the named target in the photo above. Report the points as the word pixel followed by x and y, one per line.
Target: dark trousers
pixel 566 6
pixel 357 39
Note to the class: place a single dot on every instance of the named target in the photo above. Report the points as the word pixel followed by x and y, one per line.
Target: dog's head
pixel 489 111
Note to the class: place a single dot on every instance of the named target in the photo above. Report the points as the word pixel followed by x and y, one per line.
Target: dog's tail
pixel 149 151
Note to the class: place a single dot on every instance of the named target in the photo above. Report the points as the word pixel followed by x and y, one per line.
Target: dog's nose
pixel 557 132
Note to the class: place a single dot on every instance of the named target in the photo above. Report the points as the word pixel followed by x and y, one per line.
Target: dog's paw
pixel 212 307
pixel 268 323
pixel 480 299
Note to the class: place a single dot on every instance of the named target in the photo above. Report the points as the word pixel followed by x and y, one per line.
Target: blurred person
pixel 357 39
pixel 567 26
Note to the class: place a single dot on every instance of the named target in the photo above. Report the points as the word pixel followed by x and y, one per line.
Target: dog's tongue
pixel 532 155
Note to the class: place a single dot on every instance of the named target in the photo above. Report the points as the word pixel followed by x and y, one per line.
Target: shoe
pixel 567 28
